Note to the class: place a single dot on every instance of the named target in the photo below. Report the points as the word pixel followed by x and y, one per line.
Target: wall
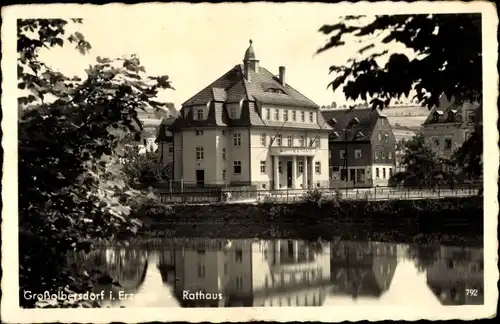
pixel 189 143
pixel 178 156
pixel 164 151
pixel 240 153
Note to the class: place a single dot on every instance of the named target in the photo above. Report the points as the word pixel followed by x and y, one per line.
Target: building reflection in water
pixel 250 272
pixel 457 277
pixel 281 272
pixel 362 269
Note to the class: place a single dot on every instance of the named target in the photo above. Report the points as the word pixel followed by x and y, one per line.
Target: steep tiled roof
pixel 367 121
pixel 163 133
pixel 442 112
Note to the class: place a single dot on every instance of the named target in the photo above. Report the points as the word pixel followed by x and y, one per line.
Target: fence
pixel 252 194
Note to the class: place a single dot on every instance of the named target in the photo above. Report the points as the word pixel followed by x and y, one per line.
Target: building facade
pixel 451 123
pixel 362 147
pixel 251 127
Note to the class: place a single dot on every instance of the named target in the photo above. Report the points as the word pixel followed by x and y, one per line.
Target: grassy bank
pixel 450 220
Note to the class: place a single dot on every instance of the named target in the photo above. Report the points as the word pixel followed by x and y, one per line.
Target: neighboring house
pixel 165 141
pixel 362 269
pixel 366 137
pixel 151 120
pixel 255 273
pixel 451 123
pixel 457 277
pixel 250 127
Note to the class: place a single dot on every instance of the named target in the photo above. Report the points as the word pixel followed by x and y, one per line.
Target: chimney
pixel 246 71
pixel 282 75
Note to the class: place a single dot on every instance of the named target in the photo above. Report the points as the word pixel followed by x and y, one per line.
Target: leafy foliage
pixel 441 64
pixel 422 161
pixel 144 167
pixel 72 189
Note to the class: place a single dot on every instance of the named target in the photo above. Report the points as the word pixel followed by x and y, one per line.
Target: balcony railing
pixel 293 150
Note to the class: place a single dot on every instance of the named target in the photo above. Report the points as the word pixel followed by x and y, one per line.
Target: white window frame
pixel 389 155
pixel 199 132
pixel 384 174
pixel 224 154
pixel 301 141
pixel 232 112
pixel 300 167
pixel 303 116
pixel 236 139
pixel 263 167
pixel 280 167
pixel 317 167
pixel 294 115
pixel 200 154
pixel 263 139
pixel 342 154
pixel 199 114
pixel 358 154
pixel 268 113
pixel 277 114
pixel 236 164
pixel 289 140
pixel 311 117
pixel 377 173
pixel 279 140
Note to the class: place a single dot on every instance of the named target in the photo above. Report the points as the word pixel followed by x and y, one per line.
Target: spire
pixel 249 54
pixel 250 63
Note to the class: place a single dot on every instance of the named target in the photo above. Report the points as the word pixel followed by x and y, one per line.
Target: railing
pixel 252 194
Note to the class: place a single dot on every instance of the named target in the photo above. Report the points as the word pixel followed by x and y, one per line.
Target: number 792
pixel 471 292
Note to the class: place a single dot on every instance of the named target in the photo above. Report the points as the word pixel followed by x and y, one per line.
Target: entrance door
pixel 200 178
pixel 289 174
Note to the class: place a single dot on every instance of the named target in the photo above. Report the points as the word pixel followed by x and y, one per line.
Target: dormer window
pixel 232 112
pixel 275 90
pixel 435 117
pixel 451 115
pixel 334 135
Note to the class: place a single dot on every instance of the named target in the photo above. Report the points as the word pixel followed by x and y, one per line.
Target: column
pixel 312 172
pixel 277 252
pixel 304 173
pixel 276 174
pixel 294 172
pixel 306 252
pixel 296 250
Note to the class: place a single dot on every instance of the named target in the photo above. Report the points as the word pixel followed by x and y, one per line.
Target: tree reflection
pixel 424 256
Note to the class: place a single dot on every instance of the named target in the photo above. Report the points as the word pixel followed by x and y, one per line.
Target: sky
pixel 195 44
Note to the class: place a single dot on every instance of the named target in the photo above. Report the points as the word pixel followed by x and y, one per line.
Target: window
pixel 278 140
pixel 436 141
pixel 232 112
pixel 383 173
pixel 285 115
pixel 317 167
pixel 237 167
pixel 289 140
pixel 318 142
pixel 300 167
pixel 237 139
pixel 224 154
pixel 389 155
pixel 301 141
pixel 376 155
pixel 342 154
pixel 386 137
pixel 239 283
pixel 201 270
pixel 263 139
pixel 383 155
pixel 294 115
pixel 471 117
pixel 199 132
pixel 277 114
pixel 357 154
pixel 268 114
pixel 303 116
pixel 280 169
pixel 239 255
pixel 262 167
pixel 379 137
pixel 199 113
pixel 170 149
pixel 199 153
pixel 447 144
pixel 311 117
pixel 223 132
pixel 377 174
pixel 224 174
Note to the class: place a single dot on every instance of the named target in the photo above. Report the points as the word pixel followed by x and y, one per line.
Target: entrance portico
pixel 292 158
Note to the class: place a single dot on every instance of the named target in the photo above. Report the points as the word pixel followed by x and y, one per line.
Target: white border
pixel 12 313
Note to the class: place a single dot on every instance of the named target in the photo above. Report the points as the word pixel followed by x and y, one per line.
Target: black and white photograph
pixel 249 161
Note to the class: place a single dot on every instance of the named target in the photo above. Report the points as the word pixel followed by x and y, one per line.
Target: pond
pixel 204 272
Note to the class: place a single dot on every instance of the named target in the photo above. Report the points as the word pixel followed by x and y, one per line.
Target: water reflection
pixel 225 273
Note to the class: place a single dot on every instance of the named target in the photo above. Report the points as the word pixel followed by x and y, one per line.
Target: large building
pixel 364 137
pixel 250 127
pixel 451 123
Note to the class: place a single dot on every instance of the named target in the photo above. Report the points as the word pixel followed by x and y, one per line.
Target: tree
pixel 422 161
pixel 441 64
pixel 334 105
pixel 71 184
